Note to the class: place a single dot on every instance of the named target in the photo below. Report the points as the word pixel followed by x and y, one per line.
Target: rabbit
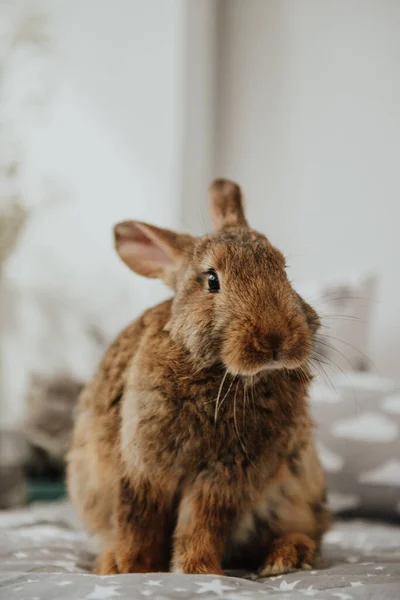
pixel 193 446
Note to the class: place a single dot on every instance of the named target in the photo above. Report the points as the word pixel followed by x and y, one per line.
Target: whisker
pixel 342 298
pixel 219 394
pixel 350 318
pixel 328 361
pixel 306 377
pixel 321 358
pixel 253 402
pixel 332 337
pixel 327 345
pixel 229 389
pixel 245 400
pixel 312 367
pixel 299 371
pixel 317 369
pixel 218 406
pixel 355 397
pixel 325 376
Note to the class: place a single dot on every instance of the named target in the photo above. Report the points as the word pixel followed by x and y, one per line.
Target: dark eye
pixel 213 281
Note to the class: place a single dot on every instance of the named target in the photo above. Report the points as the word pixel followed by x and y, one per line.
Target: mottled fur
pixel 193 444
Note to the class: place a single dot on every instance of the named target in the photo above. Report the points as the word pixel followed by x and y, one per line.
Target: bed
pixel 44 554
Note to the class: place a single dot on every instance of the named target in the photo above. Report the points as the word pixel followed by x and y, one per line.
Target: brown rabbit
pixel 193 444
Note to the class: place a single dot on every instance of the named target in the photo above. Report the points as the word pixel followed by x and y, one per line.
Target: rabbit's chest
pixel 196 433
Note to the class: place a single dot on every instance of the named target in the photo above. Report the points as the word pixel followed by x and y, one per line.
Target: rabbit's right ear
pixel 226 205
pixel 151 251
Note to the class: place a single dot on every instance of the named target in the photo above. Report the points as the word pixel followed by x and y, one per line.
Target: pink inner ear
pixel 147 251
pixel 139 250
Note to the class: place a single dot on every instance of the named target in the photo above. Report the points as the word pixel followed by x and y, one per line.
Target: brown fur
pixel 193 443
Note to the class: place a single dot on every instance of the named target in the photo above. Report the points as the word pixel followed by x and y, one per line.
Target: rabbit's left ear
pixel 226 205
pixel 151 251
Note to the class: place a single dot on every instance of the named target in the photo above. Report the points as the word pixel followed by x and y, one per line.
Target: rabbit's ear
pixel 151 251
pixel 226 205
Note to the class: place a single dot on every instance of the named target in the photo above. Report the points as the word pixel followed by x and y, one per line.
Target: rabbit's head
pixel 233 304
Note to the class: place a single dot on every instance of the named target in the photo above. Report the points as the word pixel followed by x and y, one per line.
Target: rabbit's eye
pixel 213 281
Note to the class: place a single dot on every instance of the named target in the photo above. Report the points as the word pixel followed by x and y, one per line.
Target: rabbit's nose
pixel 273 342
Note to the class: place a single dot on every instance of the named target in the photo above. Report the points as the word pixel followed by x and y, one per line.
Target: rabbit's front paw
pixel 289 552
pixel 198 567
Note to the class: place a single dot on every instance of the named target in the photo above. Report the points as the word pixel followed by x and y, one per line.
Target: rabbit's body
pixel 178 460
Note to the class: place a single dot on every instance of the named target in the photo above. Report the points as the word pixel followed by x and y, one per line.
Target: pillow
pixel 358 440
pixel 345 306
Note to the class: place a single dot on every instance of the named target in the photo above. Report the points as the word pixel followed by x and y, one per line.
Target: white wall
pixel 199 116
pixel 309 123
pixel 124 58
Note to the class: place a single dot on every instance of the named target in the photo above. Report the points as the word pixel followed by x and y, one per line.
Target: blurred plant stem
pixel 12 219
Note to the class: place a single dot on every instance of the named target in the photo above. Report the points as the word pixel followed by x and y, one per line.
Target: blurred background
pixel 121 109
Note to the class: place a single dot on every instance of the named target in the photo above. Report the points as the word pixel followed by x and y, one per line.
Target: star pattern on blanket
pixel 215 585
pixel 285 586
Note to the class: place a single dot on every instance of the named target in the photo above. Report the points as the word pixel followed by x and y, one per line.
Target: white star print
pixel 213 586
pixel 101 591
pixel 379 568
pixel 152 582
pixel 20 555
pixel 356 583
pixel 285 586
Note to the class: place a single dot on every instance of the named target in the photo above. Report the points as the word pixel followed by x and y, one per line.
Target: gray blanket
pixel 45 555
